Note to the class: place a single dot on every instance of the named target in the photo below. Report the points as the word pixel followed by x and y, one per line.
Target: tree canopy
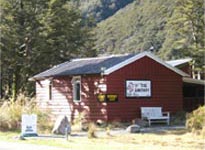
pixel 35 35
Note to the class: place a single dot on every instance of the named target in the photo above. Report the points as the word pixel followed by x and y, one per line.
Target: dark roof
pixel 83 66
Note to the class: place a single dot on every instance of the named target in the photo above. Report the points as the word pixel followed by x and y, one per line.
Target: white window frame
pixel 76 79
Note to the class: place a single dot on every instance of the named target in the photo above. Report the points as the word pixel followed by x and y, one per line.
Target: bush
pixel 178 118
pixel 11 111
pixel 91 130
pixel 196 119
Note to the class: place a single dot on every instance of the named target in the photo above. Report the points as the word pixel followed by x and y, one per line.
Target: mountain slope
pixel 138 26
pixel 100 9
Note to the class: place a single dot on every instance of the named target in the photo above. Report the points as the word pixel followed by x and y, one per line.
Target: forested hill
pixel 36 35
pixel 100 9
pixel 138 26
pixel 174 28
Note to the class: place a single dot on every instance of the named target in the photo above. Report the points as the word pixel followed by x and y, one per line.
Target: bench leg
pixel 168 122
pixel 149 121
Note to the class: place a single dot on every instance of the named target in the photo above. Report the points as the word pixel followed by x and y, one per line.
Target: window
pixel 76 82
pixel 50 90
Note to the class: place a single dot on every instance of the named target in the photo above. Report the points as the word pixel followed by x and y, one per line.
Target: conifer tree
pixel 35 35
pixel 185 32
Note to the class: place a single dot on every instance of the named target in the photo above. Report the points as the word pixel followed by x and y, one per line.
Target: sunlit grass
pixel 170 140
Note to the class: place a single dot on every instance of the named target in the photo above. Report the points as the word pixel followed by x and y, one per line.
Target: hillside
pixel 100 9
pixel 136 27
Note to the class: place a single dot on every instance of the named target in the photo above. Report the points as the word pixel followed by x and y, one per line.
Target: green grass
pixel 172 140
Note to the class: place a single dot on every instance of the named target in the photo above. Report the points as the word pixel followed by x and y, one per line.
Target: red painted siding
pixel 166 92
pixel 166 89
pixel 62 100
pixel 186 68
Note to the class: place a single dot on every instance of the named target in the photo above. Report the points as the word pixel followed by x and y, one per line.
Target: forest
pixel 39 34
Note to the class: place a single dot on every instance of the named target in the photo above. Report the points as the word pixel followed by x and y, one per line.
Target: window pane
pixel 77 91
pixel 50 91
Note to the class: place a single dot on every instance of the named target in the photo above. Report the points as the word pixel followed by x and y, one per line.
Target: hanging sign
pixel 112 97
pixel 101 97
pixel 107 97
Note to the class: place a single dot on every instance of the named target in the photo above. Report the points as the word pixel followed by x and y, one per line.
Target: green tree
pixel 67 36
pixel 20 40
pixel 35 35
pixel 185 32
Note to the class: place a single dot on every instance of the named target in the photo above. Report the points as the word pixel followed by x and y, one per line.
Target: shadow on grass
pixel 165 130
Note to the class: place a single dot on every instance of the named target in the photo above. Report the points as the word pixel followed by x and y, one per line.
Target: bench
pixel 154 114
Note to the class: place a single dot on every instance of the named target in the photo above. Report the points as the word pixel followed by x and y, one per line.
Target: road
pixel 22 146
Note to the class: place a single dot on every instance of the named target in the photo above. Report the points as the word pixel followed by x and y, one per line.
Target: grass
pixel 171 140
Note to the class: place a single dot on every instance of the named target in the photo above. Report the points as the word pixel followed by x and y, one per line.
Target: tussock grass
pixel 11 111
pixel 196 121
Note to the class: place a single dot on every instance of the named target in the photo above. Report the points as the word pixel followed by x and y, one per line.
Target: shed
pixel 111 88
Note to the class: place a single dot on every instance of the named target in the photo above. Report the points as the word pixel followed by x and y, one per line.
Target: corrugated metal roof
pixel 178 62
pixel 83 66
pixel 94 65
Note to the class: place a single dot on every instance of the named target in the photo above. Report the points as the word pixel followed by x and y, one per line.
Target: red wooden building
pixel 112 88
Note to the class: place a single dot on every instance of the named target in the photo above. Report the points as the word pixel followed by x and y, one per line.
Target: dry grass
pixel 11 112
pixel 170 140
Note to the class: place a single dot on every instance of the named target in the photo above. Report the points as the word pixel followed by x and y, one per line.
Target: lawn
pixel 167 140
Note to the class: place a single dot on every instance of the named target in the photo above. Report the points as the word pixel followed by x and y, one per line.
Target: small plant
pixel 178 118
pixel 92 130
pixel 196 120
pixel 108 131
pixel 80 122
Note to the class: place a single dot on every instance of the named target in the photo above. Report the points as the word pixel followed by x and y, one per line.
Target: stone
pixel 133 128
pixel 61 126
pixel 141 123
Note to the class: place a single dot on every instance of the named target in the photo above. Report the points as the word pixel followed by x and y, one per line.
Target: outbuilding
pixel 111 88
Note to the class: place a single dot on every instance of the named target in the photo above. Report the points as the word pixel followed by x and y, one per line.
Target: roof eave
pixel 193 81
pixel 141 55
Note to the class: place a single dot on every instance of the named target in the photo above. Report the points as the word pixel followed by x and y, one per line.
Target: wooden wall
pixel 62 101
pixel 166 88
pixel 166 92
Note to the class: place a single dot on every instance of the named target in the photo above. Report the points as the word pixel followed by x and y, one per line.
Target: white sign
pixel 29 124
pixel 138 88
pixel 102 87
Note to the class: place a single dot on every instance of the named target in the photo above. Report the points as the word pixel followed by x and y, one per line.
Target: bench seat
pixel 154 114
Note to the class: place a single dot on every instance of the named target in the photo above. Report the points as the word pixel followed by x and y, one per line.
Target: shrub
pixel 178 118
pixel 80 123
pixel 11 111
pixel 196 119
pixel 91 130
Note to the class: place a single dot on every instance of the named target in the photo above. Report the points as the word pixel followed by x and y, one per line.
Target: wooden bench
pixel 155 114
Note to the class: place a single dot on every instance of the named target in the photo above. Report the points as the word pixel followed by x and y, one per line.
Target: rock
pixel 101 123
pixel 61 126
pixel 141 123
pixel 133 128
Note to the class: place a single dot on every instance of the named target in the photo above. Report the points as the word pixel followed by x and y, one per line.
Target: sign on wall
pixel 107 97
pixel 29 125
pixel 101 97
pixel 112 97
pixel 102 87
pixel 138 88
